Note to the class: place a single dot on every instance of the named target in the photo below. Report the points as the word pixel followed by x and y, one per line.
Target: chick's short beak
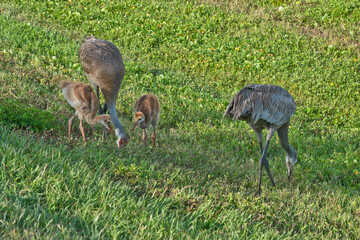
pixel 110 128
pixel 135 124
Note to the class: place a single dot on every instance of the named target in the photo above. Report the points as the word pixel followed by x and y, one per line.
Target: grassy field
pixel 200 182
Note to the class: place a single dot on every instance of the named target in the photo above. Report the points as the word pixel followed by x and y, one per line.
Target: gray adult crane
pixel 103 65
pixel 270 107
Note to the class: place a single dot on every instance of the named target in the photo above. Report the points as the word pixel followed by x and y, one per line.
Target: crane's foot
pixel 264 162
pixel 258 193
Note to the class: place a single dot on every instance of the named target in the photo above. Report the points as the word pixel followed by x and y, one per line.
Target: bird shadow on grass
pixel 234 156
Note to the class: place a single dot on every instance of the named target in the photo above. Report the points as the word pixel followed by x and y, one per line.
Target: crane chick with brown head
pixel 147 110
pixel 83 98
pixel 270 107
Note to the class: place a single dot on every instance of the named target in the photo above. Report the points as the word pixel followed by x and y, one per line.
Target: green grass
pixel 23 116
pixel 201 181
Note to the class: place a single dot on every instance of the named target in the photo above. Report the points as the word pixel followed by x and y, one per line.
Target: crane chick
pixel 270 107
pixel 147 110
pixel 83 98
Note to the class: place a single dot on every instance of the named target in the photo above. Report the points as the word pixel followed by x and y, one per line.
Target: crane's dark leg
pixel 98 96
pixel 105 108
pixel 101 110
pixel 264 161
pixel 259 137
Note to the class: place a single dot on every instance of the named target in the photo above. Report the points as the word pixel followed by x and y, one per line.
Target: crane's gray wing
pixel 240 106
pixel 101 59
pixel 272 104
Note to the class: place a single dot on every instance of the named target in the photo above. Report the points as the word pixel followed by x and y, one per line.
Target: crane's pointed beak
pixel 122 143
pixel 135 124
pixel 110 128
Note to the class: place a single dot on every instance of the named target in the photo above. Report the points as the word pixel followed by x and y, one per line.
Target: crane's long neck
pixel 115 120
pixel 291 153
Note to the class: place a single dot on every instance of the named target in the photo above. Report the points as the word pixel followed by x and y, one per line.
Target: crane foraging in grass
pixel 147 112
pixel 270 107
pixel 83 98
pixel 103 65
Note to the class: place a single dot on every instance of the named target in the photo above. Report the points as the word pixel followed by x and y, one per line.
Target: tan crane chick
pixel 147 110
pixel 83 98
pixel 270 107
pixel 104 67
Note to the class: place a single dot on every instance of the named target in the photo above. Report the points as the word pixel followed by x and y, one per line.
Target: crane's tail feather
pixel 228 109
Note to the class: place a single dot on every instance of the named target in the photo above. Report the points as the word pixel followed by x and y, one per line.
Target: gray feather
pixel 255 102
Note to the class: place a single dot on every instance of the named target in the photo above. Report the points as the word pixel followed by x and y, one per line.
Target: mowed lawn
pixel 200 182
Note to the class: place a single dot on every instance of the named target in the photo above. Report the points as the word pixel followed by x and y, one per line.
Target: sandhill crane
pixel 103 65
pixel 147 110
pixel 270 107
pixel 83 98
